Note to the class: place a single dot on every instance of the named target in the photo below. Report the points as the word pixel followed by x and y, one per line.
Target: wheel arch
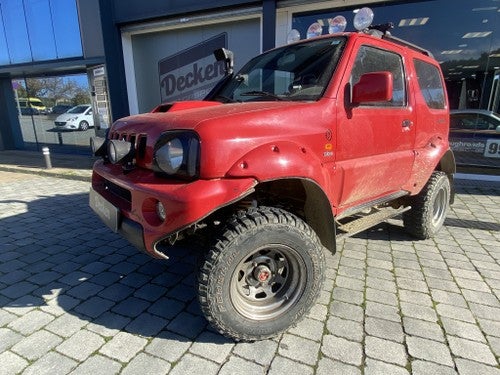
pixel 80 124
pixel 304 198
pixel 447 165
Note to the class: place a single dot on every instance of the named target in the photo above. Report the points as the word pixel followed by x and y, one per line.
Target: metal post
pixel 46 155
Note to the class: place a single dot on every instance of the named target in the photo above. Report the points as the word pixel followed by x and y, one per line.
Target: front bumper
pixel 65 125
pixel 132 197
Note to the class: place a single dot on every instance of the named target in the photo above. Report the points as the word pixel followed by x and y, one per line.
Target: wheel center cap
pixel 262 273
pixel 263 276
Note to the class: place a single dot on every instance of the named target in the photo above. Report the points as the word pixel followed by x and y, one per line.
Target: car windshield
pixel 78 109
pixel 294 73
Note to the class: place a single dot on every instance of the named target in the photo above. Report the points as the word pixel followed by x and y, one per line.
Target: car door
pixel 375 140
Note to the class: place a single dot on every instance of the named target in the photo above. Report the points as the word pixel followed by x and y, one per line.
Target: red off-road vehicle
pixel 308 142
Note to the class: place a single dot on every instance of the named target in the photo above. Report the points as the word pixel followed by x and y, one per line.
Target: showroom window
pixel 467 47
pixel 55 112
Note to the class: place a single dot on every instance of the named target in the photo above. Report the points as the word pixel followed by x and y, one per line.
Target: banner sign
pixel 191 74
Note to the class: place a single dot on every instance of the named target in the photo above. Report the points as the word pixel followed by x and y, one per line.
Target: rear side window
pixel 371 59
pixel 430 84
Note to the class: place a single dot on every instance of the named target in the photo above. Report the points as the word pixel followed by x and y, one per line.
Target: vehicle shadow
pixel 58 258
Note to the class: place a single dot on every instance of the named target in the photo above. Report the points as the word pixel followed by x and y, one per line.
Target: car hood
pixel 227 131
pixel 198 114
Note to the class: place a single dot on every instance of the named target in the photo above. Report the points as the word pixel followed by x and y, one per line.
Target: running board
pixel 367 221
pixel 388 198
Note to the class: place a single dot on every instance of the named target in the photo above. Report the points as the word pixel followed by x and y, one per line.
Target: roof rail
pixel 407 44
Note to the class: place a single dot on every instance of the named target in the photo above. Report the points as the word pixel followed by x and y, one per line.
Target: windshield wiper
pixel 262 93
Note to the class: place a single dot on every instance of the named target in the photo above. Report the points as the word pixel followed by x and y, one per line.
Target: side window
pixel 371 59
pixel 471 121
pixel 430 84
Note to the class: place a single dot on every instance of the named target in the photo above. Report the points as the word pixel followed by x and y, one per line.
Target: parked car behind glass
pixel 77 118
pixel 475 137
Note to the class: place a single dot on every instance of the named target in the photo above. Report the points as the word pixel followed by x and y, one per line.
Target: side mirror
pixel 227 56
pixel 373 87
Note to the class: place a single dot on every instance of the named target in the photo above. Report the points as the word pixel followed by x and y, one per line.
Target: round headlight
pixel 170 156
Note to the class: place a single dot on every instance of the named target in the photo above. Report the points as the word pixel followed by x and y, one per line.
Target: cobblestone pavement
pixel 76 298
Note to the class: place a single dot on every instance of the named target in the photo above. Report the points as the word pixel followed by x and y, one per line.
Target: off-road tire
pixel 266 244
pixel 84 125
pixel 429 207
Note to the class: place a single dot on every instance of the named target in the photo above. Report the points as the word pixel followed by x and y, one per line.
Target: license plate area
pixel 108 213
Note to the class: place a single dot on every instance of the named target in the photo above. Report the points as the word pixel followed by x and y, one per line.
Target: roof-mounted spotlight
pixel 363 19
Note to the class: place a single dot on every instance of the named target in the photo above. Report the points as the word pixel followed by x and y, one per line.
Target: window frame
pixel 403 78
pixel 428 101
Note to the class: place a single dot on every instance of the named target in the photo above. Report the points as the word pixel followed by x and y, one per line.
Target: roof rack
pixel 383 31
pixel 407 44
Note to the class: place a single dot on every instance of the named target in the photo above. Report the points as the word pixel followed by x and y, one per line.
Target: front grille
pixel 60 123
pixel 139 141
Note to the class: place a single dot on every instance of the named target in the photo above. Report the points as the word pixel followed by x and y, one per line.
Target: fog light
pixel 118 150
pixel 160 211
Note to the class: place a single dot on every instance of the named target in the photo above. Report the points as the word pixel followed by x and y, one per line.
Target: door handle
pixel 407 123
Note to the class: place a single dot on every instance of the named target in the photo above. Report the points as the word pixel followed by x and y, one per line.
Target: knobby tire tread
pixel 239 224
pixel 416 220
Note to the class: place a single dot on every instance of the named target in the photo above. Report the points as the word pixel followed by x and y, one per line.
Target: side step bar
pixel 359 224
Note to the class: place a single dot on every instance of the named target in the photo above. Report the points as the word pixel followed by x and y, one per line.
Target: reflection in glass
pixel 38 30
pixel 4 53
pixel 467 47
pixel 39 23
pixel 18 45
pixel 66 28
pixel 38 128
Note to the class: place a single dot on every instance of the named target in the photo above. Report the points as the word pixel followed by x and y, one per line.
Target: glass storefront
pixel 464 36
pixel 55 112
pixel 38 30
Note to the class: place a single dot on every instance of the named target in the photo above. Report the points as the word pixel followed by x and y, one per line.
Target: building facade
pixel 138 54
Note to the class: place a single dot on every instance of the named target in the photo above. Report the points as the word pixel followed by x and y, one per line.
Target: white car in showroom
pixel 77 118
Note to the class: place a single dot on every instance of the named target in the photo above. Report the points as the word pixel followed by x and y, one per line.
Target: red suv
pixel 308 142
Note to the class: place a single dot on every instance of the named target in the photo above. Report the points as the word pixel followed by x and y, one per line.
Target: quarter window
pixel 430 84
pixel 371 59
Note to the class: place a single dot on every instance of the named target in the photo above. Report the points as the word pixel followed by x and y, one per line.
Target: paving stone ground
pixel 76 298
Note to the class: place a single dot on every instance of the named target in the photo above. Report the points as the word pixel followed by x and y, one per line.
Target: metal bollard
pixel 46 155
